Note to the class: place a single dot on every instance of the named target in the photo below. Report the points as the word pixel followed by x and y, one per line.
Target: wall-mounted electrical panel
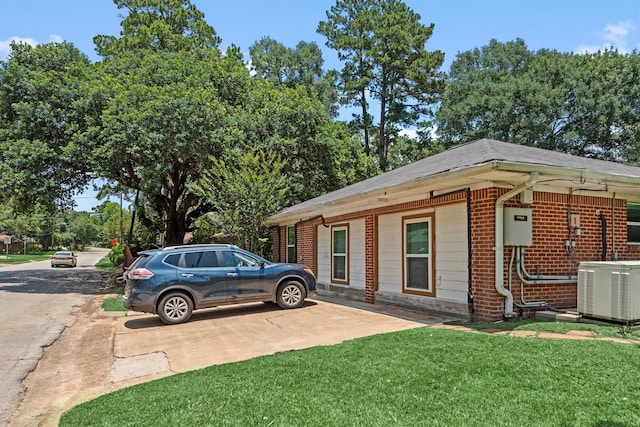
pixel 518 228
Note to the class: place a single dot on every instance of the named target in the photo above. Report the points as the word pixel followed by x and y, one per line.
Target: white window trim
pixel 340 280
pixel 429 219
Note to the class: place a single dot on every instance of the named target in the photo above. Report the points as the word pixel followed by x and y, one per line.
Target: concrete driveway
pixel 103 352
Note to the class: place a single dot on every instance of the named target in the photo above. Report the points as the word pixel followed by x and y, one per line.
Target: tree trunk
pixel 365 121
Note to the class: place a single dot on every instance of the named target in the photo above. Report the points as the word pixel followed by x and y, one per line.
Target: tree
pixel 383 44
pixel 320 154
pixel 165 93
pixel 84 228
pixel 254 188
pixel 583 104
pixel 163 115
pixel 301 66
pixel 160 26
pixel 42 109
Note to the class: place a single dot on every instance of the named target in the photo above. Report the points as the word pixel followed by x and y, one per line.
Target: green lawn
pixel 419 377
pixel 18 259
pixel 113 304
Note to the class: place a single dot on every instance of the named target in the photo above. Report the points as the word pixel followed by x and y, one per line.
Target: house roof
pixel 466 156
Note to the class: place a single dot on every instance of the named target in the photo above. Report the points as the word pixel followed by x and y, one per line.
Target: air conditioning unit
pixel 609 290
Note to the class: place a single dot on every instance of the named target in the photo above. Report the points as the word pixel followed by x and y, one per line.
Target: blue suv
pixel 173 281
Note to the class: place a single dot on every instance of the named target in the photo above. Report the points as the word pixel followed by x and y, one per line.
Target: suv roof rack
pixel 200 245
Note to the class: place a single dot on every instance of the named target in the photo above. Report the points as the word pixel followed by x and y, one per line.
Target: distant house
pixel 485 230
pixel 15 247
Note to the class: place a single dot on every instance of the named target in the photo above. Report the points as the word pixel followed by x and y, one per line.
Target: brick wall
pixel 547 254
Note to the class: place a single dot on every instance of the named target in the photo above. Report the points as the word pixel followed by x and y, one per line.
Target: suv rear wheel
pixel 175 307
pixel 290 295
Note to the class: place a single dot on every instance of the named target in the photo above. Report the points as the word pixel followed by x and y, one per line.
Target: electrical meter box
pixel 518 230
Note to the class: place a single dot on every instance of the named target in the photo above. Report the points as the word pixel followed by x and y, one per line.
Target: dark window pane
pixel 633 213
pixel 340 242
pixel 417 238
pixel 340 267
pixel 291 254
pixel 209 259
pixel 172 259
pixel 633 233
pixel 418 273
pixel 291 235
pixel 191 259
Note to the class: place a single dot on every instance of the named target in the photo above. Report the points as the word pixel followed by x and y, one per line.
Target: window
pixel 339 254
pixel 237 259
pixel 418 255
pixel 209 259
pixel 291 244
pixel 633 224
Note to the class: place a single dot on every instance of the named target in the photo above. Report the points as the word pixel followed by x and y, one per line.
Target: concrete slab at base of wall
pixel 430 305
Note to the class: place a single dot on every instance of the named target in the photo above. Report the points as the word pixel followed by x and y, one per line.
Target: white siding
pixel 451 267
pixel 390 253
pixel 356 254
pixel 324 255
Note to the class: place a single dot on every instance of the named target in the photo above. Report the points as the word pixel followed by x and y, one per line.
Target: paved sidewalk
pixel 569 335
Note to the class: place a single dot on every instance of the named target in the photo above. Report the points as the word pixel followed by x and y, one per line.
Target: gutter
pixel 499 242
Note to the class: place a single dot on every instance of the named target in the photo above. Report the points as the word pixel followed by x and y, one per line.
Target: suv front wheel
pixel 291 295
pixel 175 307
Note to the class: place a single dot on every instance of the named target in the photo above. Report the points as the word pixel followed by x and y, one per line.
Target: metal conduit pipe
pixel 538 277
pixel 499 242
pixel 566 279
pixel 524 304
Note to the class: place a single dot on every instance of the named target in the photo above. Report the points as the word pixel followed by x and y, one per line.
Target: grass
pixel 113 304
pixel 21 258
pixel 105 264
pixel 419 377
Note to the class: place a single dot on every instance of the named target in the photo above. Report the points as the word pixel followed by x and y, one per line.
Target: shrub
pixel 116 256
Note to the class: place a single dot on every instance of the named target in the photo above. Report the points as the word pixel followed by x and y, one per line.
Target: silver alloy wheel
pixel 291 295
pixel 175 308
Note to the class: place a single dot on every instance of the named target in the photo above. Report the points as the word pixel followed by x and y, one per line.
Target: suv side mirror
pixel 261 265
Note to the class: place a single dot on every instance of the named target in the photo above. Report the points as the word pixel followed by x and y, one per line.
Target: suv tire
pixel 291 295
pixel 175 307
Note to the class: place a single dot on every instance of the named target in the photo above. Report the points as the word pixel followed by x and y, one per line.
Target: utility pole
pixel 120 241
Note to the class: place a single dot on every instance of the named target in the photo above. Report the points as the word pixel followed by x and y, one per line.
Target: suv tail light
pixel 140 274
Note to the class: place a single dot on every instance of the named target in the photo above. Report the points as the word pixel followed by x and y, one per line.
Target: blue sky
pixel 460 25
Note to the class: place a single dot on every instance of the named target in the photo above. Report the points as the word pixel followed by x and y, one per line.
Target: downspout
pixel 470 304
pixel 499 242
pixel 603 232
pixel 303 221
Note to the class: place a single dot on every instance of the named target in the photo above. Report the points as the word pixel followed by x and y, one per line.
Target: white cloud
pixel 613 36
pixel 54 38
pixel 5 45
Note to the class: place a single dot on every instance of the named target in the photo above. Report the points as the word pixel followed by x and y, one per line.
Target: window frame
pixel 340 228
pixel 291 245
pixel 429 218
pixel 632 224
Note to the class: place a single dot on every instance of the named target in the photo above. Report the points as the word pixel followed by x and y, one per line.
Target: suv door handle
pixel 187 275
pixel 232 274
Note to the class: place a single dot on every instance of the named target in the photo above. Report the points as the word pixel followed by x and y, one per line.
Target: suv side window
pixel 173 259
pixel 235 259
pixel 209 259
pixel 191 259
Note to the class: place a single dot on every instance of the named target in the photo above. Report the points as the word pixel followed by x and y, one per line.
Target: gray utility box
pixel 518 229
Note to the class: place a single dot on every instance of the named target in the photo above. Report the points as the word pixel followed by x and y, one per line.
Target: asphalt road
pixel 37 303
